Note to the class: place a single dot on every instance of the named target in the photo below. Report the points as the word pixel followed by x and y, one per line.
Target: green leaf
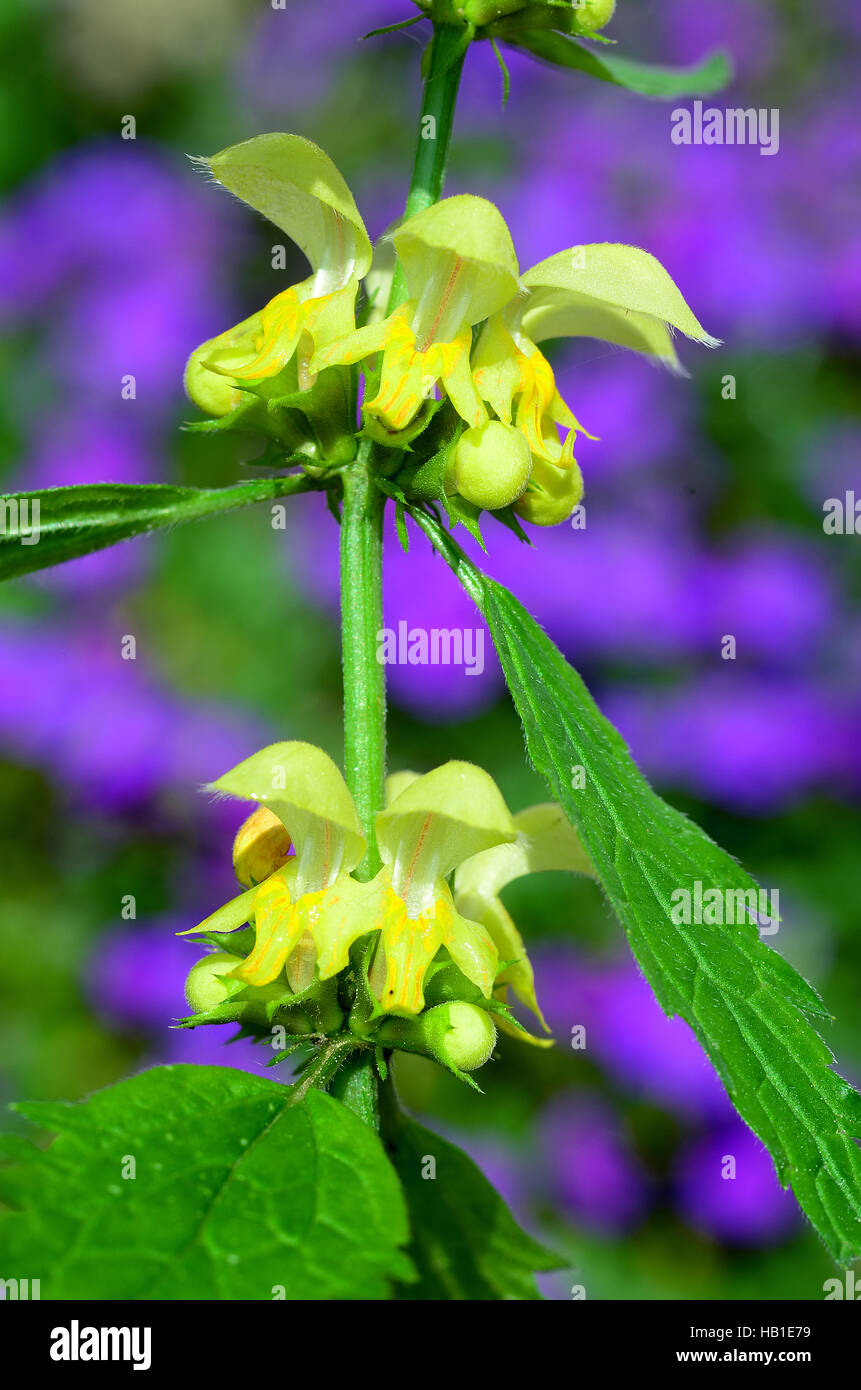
pixel 236 1194
pixel 355 1085
pixel 73 521
pixel 466 1244
pixel 393 28
pixel 647 79
pixel 425 481
pixel 466 514
pixel 746 1004
pixel 503 68
pixel 401 527
pixel 508 518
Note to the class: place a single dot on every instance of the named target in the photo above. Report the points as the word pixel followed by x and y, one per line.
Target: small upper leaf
pixel 647 79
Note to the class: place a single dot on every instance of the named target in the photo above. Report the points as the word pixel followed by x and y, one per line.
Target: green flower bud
pixel 578 17
pixel 212 989
pixel 215 395
pixel 491 465
pixel 458 1035
pixel 261 846
pixel 450 985
pixel 591 15
pixel 204 988
pixel 553 493
pixel 507 18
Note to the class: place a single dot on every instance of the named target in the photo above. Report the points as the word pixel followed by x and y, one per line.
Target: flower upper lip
pixel 460 269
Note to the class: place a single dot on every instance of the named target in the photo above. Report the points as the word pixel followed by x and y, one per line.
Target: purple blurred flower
pixel 295 54
pixel 747 1208
pixel 91 446
pixel 749 269
pixel 846 16
pixel 773 595
pixel 101 726
pixel 116 254
pixel 757 244
pixel 620 585
pixel 832 463
pixel 479 104
pixel 418 590
pixel 829 154
pixel 632 585
pixel 751 742
pixel 745 28
pixel 87 446
pixel 137 974
pixel 617 586
pixel 639 412
pixel 96 216
pixel 589 1166
pixel 569 204
pixel 142 320
pixel 214 1047
pixel 627 1032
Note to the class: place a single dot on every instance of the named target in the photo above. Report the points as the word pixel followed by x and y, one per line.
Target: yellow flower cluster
pixel 469 327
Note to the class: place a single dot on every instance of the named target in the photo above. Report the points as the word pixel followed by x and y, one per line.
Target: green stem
pixel 445 63
pixel 355 1085
pixel 364 675
pixel 390 1114
pixel 324 1067
pixel 447 52
pixel 364 502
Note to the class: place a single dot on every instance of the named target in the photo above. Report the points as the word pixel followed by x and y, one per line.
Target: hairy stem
pixel 364 502
pixel 447 52
pixel 355 1085
pixel 364 675
pixel 332 1054
pixel 445 63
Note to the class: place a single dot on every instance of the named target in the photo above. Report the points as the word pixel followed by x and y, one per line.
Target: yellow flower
pixel 460 267
pixel 293 183
pixel 261 846
pixel 618 294
pixel 460 270
pixel 518 382
pixel 449 845
pixel 301 786
pixel 308 913
pixel 545 840
pixel 432 825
